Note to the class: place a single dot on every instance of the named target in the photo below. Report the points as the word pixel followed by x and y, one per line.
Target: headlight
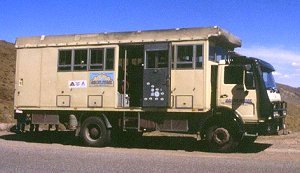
pixel 19 111
pixel 276 114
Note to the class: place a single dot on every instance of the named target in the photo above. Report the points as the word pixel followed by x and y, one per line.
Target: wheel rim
pixel 93 132
pixel 221 136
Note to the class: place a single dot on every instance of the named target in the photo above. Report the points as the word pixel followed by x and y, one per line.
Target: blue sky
pixel 268 28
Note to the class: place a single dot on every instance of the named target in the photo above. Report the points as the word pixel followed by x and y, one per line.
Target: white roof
pixel 199 33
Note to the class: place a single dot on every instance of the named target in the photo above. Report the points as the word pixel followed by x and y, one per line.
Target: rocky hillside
pixel 292 96
pixel 7 73
pixel 289 93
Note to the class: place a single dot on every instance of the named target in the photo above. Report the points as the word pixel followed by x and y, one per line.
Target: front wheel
pixel 94 132
pixel 222 138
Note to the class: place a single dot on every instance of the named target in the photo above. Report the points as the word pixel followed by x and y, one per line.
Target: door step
pixel 131 121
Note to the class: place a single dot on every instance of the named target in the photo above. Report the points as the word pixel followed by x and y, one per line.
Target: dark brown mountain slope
pixel 7 74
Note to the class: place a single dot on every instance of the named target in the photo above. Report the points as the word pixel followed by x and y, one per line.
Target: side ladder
pixel 132 121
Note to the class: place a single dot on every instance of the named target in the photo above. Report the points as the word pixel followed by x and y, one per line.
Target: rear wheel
pixel 222 138
pixel 94 132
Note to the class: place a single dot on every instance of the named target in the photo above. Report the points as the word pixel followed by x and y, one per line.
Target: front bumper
pixel 275 123
pixel 279 110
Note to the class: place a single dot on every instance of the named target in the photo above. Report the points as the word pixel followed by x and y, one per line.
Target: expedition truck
pixel 186 80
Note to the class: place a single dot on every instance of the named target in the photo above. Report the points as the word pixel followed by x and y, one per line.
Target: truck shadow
pixel 141 142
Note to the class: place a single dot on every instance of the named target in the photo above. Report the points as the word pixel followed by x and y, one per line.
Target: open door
pixel 156 75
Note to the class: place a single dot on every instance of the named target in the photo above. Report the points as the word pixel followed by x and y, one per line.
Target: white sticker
pixel 156 94
pixel 77 84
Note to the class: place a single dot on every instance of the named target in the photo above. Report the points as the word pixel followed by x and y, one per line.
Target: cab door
pixel 156 75
pixel 232 92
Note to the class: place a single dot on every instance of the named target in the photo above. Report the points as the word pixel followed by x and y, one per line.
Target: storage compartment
pixel 184 101
pixel 63 101
pixel 95 101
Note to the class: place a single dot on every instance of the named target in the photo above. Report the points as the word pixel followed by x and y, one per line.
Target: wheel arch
pixel 221 115
pixel 102 115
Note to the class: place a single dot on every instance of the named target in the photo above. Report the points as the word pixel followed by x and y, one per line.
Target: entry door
pixel 156 76
pixel 232 93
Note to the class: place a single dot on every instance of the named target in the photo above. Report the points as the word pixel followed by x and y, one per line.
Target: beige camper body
pixel 41 86
pixel 169 80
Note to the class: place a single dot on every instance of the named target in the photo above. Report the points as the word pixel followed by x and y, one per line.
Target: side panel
pixel 187 84
pixel 48 77
pixel 91 92
pixel 39 84
pixel 28 81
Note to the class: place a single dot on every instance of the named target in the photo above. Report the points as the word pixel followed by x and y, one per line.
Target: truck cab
pixel 246 86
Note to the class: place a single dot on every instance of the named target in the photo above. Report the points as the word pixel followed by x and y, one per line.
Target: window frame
pixel 70 65
pixel 241 80
pixel 214 47
pixel 156 59
pixel 194 63
pixel 78 65
pixel 105 59
pixel 88 62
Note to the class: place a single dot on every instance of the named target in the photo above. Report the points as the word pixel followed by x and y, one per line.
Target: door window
pixel 233 75
pixel 157 59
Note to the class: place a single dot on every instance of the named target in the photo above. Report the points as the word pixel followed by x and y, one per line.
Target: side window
pixel 189 57
pixel 184 56
pixel 217 53
pixel 233 75
pixel 249 77
pixel 199 56
pixel 110 56
pixel 80 60
pixel 96 62
pixel 65 60
pixel 95 59
pixel 212 53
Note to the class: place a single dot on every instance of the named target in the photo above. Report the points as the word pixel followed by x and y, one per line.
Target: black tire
pixel 94 132
pixel 222 139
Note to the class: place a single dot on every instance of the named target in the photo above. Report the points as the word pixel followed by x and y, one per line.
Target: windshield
pixel 269 80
